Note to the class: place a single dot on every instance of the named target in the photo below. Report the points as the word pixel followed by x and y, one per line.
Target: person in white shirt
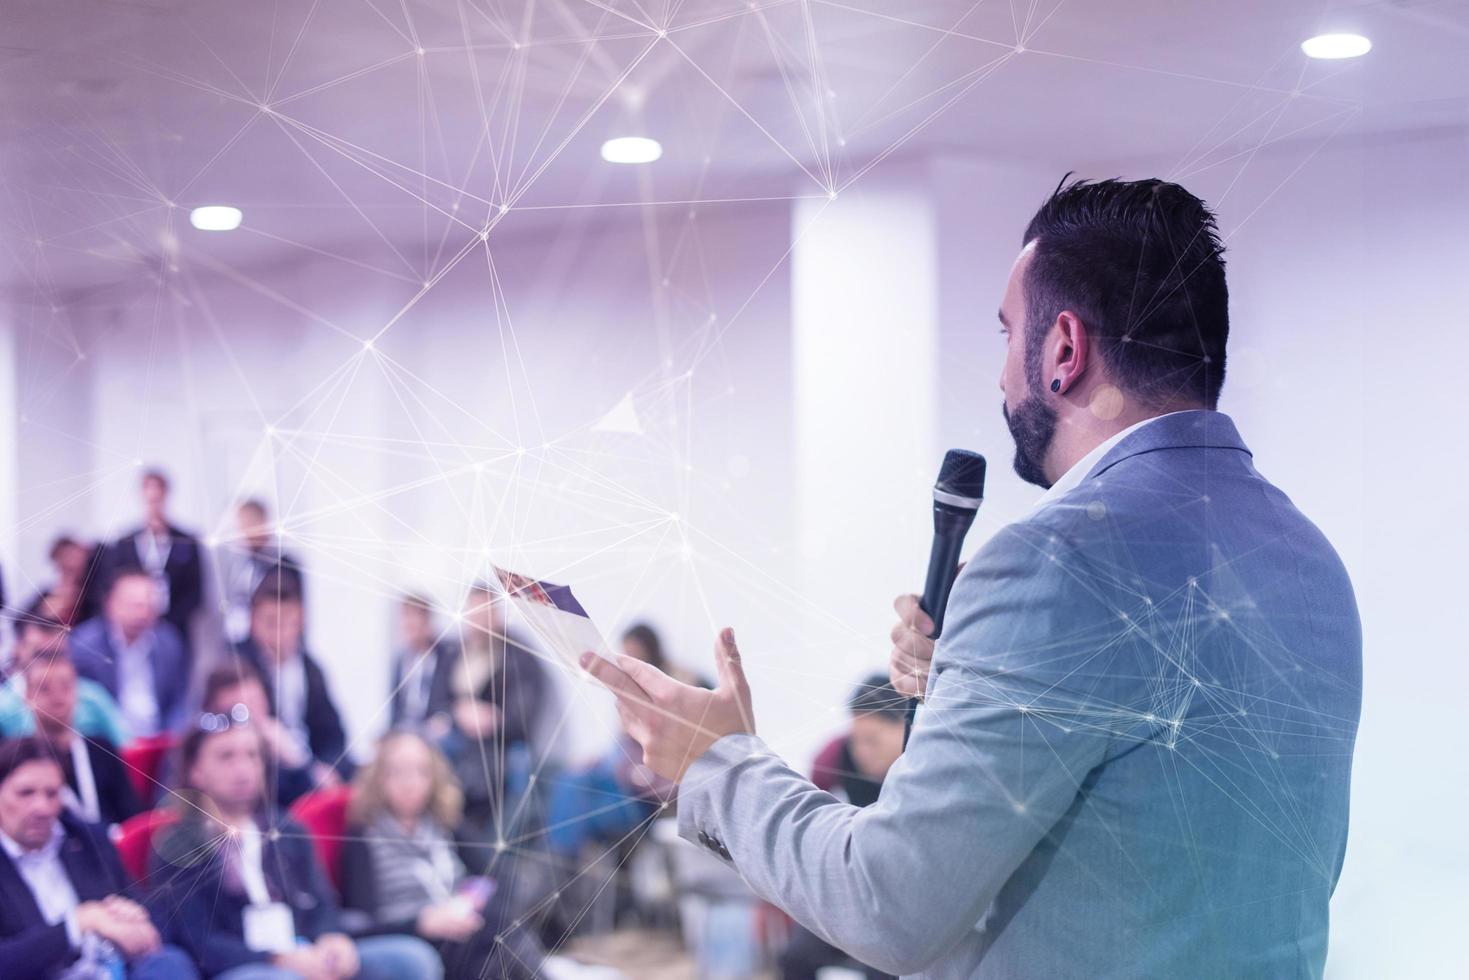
pixel 64 905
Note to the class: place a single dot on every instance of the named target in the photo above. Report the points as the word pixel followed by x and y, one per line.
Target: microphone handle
pixel 950 524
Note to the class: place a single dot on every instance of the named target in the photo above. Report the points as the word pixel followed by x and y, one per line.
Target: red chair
pixel 144 759
pixel 826 771
pixel 323 813
pixel 135 839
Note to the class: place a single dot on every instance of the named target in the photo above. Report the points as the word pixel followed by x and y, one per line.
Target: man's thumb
pixel 727 659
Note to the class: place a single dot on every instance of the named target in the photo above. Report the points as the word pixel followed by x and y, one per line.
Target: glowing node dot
pixel 421 52
pixel 367 345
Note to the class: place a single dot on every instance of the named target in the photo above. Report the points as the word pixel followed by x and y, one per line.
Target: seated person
pixel 97 788
pixel 240 882
pixel 294 681
pixel 498 689
pixel 97 714
pixel 137 656
pixel 400 867
pixel 64 904
pixel 290 772
pixel 72 596
pixel 607 801
pixel 421 671
pixel 879 715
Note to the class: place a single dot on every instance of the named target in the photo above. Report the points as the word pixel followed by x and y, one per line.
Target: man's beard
pixel 1032 426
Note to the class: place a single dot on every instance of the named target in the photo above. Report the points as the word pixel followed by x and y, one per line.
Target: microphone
pixel 956 498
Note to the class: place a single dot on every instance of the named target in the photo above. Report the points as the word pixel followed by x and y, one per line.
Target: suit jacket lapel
pixel 17 894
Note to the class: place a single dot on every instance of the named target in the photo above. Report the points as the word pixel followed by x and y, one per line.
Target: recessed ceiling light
pixel 215 217
pixel 1336 46
pixel 631 149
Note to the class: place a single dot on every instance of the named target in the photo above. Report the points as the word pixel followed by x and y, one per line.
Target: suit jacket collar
pixel 1202 429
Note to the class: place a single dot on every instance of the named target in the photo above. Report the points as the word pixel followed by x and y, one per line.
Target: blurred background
pixel 706 376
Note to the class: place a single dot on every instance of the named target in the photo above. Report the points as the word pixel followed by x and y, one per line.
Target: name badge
pixel 270 928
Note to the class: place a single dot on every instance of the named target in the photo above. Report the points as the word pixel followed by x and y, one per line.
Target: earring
pixel 1056 384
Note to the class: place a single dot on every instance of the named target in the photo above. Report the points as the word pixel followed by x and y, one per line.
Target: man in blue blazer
pixel 1134 754
pixel 65 905
pixel 138 657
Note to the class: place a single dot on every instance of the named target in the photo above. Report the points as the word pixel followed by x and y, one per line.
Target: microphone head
pixel 962 476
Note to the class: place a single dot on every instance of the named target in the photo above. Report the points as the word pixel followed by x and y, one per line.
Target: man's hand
pixel 451 920
pixel 676 723
pixel 308 962
pixel 119 925
pixel 476 719
pixel 912 648
pixel 339 952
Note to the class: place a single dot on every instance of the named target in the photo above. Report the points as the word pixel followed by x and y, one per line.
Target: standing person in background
pixel 422 670
pixel 247 559
pixel 138 657
pixel 98 789
pixel 97 714
pixel 65 905
pixel 167 554
pixel 498 688
pixel 299 695
pixel 242 888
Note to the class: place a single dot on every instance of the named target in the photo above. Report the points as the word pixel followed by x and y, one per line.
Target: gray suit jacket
pixel 1134 756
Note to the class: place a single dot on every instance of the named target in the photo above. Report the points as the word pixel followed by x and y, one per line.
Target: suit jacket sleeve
pixel 997 754
pixel 186 581
pixel 35 953
pixel 359 887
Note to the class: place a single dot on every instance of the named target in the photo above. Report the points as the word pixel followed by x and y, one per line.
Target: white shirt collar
pixel 46 851
pixel 1078 471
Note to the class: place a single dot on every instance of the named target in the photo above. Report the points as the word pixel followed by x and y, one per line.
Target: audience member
pixel 138 657
pixel 241 884
pixel 400 867
pixel 168 555
pixel 299 695
pixel 97 788
pixel 422 670
pixel 290 771
pixel 74 595
pixel 609 800
pixel 498 688
pixel 869 749
pixel 97 714
pixel 245 562
pixel 65 908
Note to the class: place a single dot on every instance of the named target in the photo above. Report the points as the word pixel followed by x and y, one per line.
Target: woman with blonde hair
pixel 400 867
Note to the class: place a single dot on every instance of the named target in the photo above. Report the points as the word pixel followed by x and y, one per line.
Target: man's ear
pixel 1072 350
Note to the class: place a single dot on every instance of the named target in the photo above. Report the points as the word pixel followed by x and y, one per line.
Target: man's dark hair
pixel 277 585
pixel 227 675
pixel 1140 262
pixel 16 752
pixel 876 695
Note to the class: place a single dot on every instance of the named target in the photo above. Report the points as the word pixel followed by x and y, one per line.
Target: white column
pixel 865 335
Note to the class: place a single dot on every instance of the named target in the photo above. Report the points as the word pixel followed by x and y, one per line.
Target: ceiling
pixel 405 129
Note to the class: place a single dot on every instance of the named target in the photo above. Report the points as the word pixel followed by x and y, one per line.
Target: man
pixel 246 561
pixel 97 789
pixel 240 884
pixel 97 714
pixel 64 907
pixel 168 555
pixel 136 656
pixel 422 668
pixel 1134 754
pixel 299 695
